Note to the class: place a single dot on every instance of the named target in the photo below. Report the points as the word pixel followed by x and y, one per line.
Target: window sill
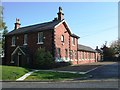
pixel 40 43
pixel 62 43
pixel 73 45
pixel 12 62
pixel 24 44
pixel 75 59
pixel 13 45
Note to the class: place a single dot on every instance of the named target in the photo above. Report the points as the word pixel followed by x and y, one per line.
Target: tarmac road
pixel 111 71
pixel 77 84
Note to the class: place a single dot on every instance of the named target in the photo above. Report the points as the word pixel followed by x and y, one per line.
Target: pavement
pixel 24 76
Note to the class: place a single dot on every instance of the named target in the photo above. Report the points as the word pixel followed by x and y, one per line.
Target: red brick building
pixel 55 36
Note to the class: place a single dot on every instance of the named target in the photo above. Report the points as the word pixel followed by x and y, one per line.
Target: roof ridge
pixel 41 26
pixel 35 24
pixel 86 48
pixel 84 45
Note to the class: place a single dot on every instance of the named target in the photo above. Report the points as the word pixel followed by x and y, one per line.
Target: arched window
pixel 62 38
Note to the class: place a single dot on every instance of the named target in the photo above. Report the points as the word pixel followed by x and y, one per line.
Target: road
pixel 75 84
pixel 105 76
pixel 111 71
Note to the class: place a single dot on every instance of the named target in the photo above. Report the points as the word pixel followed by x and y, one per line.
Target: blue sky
pixel 94 22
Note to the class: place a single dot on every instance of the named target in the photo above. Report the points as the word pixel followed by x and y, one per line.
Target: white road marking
pixel 93 69
pixel 24 76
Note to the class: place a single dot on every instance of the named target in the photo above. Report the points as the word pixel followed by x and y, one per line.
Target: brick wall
pixel 59 31
pixel 88 57
pixel 73 47
pixel 67 44
pixel 32 44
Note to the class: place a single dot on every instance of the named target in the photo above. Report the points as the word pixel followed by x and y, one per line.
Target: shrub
pixel 44 59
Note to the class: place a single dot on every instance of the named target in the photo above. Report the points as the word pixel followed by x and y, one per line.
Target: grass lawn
pixel 11 72
pixel 51 76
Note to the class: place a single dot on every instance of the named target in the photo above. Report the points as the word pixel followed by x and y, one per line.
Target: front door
pixel 19 59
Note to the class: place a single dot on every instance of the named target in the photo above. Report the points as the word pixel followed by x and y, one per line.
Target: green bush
pixel 44 59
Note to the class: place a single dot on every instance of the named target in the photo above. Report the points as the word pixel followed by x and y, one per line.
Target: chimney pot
pixel 17 24
pixel 96 47
pixel 60 14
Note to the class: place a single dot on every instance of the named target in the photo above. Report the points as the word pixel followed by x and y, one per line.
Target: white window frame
pixel 75 53
pixel 66 54
pixel 62 38
pixel 40 36
pixel 73 41
pixel 83 55
pixel 59 52
pixel 13 41
pixel 25 39
pixel 71 54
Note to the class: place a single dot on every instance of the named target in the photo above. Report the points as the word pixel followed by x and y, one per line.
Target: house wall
pixel 67 44
pixel 74 59
pixel 8 49
pixel 86 58
pixel 99 57
pixel 59 31
pixel 32 44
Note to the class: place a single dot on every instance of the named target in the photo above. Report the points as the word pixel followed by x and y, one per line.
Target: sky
pixel 94 22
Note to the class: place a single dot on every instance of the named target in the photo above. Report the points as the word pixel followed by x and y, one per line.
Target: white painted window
pixel 25 39
pixel 71 54
pixel 83 55
pixel 75 54
pixel 89 55
pixel 62 38
pixel 66 54
pixel 40 38
pixel 13 41
pixel 58 53
pixel 73 40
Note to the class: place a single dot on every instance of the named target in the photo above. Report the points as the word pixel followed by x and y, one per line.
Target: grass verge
pixel 11 72
pixel 51 76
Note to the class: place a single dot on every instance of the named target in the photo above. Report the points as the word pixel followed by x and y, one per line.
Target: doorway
pixel 19 59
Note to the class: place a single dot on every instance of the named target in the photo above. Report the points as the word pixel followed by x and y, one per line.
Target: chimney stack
pixel 60 14
pixel 17 24
pixel 96 47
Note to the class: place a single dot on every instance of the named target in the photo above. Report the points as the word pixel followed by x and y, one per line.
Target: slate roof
pixel 85 48
pixel 73 35
pixel 37 27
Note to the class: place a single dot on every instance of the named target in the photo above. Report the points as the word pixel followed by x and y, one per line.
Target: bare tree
pixel 1 18
pixel 3 27
pixel 116 46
